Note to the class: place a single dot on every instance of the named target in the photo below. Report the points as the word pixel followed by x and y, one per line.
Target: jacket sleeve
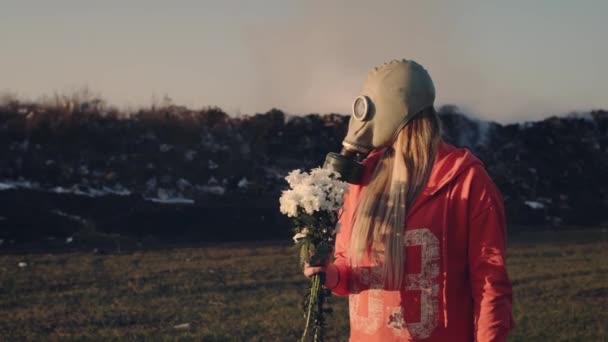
pixel 491 287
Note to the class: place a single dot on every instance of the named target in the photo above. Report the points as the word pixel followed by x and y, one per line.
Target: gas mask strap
pixel 405 122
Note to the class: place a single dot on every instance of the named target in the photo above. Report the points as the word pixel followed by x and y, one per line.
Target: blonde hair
pixel 399 177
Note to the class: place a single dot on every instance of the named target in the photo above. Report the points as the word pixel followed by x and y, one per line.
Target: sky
pixel 506 61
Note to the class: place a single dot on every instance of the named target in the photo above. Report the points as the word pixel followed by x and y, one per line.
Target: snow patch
pixel 170 200
pixel 169 197
pixel 534 204
pixel 6 186
pixel 243 183
pixel 87 191
pixel 183 184
pixel 69 216
pixel 165 147
pixel 18 184
pixel 189 155
pixel 76 189
pixel 212 189
pixel 212 165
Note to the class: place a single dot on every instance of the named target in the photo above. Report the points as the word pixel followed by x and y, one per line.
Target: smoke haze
pixel 503 61
pixel 316 60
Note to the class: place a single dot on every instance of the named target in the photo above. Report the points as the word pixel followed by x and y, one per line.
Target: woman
pixel 420 247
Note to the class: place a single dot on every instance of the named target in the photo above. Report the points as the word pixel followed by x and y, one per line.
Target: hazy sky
pixel 502 60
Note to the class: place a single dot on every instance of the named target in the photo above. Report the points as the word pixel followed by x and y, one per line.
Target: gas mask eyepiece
pixel 361 108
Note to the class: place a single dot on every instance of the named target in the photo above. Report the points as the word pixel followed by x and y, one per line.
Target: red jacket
pixel 457 286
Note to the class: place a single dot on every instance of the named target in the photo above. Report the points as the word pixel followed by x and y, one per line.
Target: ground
pixel 251 292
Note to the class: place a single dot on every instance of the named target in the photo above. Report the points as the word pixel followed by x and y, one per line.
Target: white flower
pixel 319 190
pixel 22 264
pixel 289 203
pixel 300 235
pixel 294 178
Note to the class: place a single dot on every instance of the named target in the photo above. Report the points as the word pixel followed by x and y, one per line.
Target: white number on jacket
pixel 370 320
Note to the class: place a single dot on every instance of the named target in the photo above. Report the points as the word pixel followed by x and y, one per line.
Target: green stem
pixel 318 323
pixel 314 293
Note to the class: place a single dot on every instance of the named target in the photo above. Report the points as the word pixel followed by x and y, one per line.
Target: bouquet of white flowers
pixel 313 202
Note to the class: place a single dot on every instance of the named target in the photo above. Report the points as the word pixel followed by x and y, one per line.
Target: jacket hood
pixel 450 162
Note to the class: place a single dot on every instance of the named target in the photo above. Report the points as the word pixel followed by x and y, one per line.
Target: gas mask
pixel 391 96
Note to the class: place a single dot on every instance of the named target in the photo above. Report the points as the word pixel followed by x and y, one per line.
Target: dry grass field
pixel 251 292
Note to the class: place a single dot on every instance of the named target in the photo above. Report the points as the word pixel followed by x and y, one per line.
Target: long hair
pixel 399 177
